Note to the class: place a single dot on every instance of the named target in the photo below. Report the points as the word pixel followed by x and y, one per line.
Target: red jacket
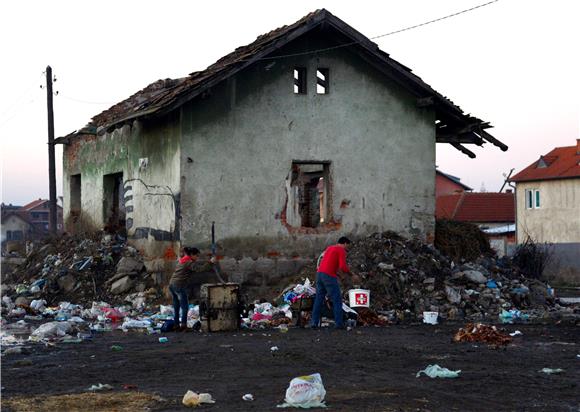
pixel 334 258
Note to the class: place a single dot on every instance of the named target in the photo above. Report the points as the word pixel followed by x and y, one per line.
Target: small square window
pixel 300 80
pixel 322 81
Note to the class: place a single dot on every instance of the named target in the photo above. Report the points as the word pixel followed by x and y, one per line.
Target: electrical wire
pixel 376 37
pixel 82 101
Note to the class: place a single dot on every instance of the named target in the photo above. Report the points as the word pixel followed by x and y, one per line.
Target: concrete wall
pixel 558 218
pixel 556 222
pixel 239 143
pixel 151 187
pixel 12 224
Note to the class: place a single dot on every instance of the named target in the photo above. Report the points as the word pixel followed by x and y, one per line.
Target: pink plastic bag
pixel 113 314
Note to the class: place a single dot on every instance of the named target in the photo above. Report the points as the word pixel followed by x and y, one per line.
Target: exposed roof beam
pixel 463 150
pixel 492 140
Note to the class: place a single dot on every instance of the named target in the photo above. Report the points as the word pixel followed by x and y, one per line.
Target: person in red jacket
pixel 333 261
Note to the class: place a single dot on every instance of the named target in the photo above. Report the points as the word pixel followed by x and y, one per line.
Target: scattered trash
pixel 305 392
pixel 550 371
pixel 51 330
pixel 129 387
pixel 116 348
pixel 478 332
pixel 193 399
pixel 163 340
pixel 100 387
pixel 512 315
pixel 516 333
pixel 23 362
pixel 16 350
pixel 436 371
pixel 430 317
pixel 274 348
pixel 248 397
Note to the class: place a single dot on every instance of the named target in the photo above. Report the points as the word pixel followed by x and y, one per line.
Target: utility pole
pixel 51 161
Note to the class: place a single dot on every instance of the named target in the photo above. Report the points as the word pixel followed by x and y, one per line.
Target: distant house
pixel 494 213
pixel 548 205
pixel 15 227
pixel 308 133
pixel 445 184
pixel 38 213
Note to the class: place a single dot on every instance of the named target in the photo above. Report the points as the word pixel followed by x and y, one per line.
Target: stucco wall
pixel 12 223
pixel 558 218
pixel 151 190
pixel 239 143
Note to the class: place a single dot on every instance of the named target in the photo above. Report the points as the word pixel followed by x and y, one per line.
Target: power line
pixel 82 101
pixel 379 36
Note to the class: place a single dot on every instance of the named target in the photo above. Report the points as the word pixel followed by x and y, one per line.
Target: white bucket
pixel 430 317
pixel 359 298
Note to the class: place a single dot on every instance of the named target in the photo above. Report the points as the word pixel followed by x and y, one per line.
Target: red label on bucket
pixel 360 298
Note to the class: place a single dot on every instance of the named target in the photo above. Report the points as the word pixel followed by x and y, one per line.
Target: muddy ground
pixel 365 369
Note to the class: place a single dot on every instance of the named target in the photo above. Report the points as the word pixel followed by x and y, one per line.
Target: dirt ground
pixel 365 369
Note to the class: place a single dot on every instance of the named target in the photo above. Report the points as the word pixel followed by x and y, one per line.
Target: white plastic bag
pixel 193 399
pixel 436 371
pixel 38 305
pixel 305 392
pixel 166 310
pixel 52 330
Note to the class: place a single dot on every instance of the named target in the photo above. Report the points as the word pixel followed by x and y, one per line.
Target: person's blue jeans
pixel 179 302
pixel 327 285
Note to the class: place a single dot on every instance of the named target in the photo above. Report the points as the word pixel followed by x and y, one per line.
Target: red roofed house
pixel 38 212
pixel 494 213
pixel 548 205
pixel 446 184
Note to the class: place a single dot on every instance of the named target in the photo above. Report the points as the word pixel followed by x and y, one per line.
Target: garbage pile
pixel 407 277
pixel 478 332
pixel 83 269
pixel 72 323
pixel 296 297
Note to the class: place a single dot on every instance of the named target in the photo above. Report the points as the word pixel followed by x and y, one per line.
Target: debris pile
pixel 478 332
pixel 83 269
pixel 410 277
pixel 460 240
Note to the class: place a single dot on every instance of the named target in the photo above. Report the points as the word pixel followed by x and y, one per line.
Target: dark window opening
pixel 312 195
pixel 75 193
pixel 113 202
pixel 322 81
pixel 300 80
pixel 17 235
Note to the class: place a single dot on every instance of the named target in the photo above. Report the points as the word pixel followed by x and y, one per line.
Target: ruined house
pixel 308 133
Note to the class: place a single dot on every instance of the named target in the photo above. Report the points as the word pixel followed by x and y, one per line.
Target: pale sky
pixel 513 63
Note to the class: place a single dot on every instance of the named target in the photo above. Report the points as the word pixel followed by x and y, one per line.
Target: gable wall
pixel 242 139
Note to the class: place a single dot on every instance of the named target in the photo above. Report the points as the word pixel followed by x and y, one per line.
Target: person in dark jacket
pixel 188 264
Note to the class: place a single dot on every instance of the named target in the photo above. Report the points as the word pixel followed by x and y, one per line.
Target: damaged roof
pixel 161 97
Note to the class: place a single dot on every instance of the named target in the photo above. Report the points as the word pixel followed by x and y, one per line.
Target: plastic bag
pixel 305 392
pixel 52 329
pixel 551 371
pixel 114 314
pixel 436 371
pixel 193 399
pixel 166 310
pixel 38 305
pixel 135 324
